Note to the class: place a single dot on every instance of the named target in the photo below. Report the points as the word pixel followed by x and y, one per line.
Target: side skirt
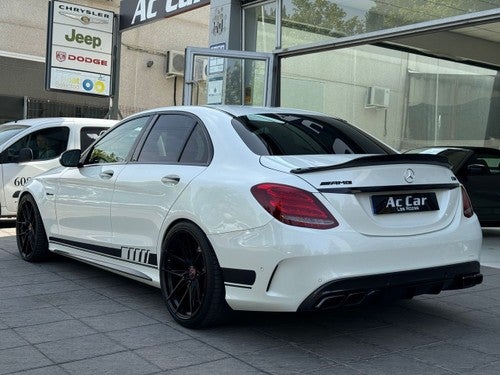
pixel 141 272
pixel 106 265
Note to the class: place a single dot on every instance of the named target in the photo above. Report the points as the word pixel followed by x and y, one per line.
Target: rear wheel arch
pixel 168 229
pixel 191 279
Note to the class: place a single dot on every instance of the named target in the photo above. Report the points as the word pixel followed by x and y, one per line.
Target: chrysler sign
pixel 79 49
pixel 137 12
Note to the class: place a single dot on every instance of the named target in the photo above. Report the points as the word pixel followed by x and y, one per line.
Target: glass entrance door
pixel 225 77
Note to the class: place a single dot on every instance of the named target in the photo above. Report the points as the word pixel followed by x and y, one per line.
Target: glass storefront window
pixel 227 80
pixel 310 21
pixel 260 27
pixel 405 99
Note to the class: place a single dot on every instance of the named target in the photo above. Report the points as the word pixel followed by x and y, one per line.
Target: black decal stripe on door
pixel 108 251
pixel 85 246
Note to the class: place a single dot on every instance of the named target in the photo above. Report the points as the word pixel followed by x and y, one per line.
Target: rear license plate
pixel 400 203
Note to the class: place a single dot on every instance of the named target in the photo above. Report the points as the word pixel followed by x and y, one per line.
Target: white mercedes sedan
pixel 261 209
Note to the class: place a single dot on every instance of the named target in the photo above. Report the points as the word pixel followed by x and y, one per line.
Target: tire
pixel 30 233
pixel 191 279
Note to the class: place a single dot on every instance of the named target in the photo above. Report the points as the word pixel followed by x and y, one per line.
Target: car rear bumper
pixel 394 285
pixel 288 265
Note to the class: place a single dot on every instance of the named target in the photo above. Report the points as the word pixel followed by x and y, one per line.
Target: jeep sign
pixel 79 45
pixel 137 12
pixel 82 38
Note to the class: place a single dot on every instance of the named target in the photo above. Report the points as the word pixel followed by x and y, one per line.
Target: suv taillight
pixel 468 210
pixel 293 206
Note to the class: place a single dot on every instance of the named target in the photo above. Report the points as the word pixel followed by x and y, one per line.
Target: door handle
pixel 170 180
pixel 106 175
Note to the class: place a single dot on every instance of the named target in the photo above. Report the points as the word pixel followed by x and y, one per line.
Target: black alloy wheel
pixel 191 278
pixel 30 234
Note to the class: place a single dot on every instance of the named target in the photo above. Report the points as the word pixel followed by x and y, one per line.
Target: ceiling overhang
pixel 479 44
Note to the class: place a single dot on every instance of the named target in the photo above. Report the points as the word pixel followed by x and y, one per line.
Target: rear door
pixel 481 177
pixel 176 150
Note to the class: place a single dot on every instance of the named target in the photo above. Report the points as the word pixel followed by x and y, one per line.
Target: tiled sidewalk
pixel 64 317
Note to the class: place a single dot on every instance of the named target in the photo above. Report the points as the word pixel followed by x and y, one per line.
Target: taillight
pixel 293 206
pixel 468 210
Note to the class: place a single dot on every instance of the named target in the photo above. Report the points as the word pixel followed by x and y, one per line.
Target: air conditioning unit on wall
pixel 378 97
pixel 200 69
pixel 175 63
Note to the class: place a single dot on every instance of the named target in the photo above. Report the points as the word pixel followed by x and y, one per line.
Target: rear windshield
pixel 298 134
pixel 8 131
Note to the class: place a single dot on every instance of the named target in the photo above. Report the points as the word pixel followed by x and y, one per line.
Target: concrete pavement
pixel 64 317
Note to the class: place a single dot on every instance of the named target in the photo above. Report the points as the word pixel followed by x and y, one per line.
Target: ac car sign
pixel 137 12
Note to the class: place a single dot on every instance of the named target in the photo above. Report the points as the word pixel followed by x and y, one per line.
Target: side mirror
pixel 25 154
pixel 70 158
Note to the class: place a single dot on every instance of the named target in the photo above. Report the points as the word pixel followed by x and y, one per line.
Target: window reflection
pixel 405 99
pixel 260 28
pixel 116 146
pixel 308 21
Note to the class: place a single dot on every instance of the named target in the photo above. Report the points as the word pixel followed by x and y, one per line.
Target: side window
pixel 167 139
pixel 115 146
pixel 45 144
pixel 12 155
pixel 197 150
pixel 88 135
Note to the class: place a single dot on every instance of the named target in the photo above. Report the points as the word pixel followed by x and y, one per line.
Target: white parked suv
pixel 30 147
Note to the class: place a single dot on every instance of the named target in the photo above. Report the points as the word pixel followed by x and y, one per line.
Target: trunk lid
pixel 380 195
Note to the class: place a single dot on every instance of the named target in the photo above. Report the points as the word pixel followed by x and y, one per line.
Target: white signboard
pixel 79 37
pixel 84 82
pixel 216 64
pixel 214 91
pixel 80 46
pixel 76 59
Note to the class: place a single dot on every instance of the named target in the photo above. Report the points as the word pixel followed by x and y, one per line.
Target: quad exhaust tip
pixel 360 297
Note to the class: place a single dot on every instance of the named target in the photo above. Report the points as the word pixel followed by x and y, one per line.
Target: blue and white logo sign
pixel 84 82
pixel 88 85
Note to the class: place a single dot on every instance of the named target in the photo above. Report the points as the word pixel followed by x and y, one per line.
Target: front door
pixel 85 193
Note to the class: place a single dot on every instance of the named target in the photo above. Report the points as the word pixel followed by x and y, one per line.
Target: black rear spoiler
pixel 366 161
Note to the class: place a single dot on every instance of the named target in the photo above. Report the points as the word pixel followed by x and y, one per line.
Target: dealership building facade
pixel 144 82
pixel 410 73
